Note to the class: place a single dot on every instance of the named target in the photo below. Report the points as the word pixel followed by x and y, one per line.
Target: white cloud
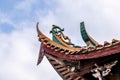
pixel 19 49
pixel 25 5
pixel 18 57
pixel 101 18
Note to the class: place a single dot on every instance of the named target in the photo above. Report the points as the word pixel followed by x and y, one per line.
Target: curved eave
pixel 92 55
pixel 50 47
pixel 45 40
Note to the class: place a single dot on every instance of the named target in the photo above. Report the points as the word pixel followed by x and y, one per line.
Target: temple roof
pixel 61 45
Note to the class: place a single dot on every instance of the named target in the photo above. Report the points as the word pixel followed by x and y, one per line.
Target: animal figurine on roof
pixel 92 62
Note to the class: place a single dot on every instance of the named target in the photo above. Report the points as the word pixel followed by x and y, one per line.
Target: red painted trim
pixel 41 54
pixel 96 54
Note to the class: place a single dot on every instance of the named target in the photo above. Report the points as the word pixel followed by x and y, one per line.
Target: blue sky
pixel 19 44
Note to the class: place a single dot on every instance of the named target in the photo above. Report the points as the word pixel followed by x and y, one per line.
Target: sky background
pixel 19 45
